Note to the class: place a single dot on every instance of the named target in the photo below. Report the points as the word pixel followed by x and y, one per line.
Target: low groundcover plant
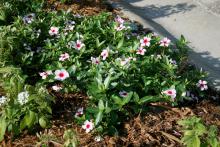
pixel 101 56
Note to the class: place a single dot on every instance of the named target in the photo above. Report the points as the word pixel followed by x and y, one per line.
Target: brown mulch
pixel 156 127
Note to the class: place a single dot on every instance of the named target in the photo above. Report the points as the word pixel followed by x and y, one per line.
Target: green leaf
pixel 117 100
pixel 191 140
pixel 148 99
pixel 136 97
pixel 99 117
pixel 120 44
pixel 30 118
pixel 101 105
pixel 127 98
pixel 3 127
pixel 43 122
pixel 107 81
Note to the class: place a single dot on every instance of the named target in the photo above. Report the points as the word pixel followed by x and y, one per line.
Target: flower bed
pixel 46 56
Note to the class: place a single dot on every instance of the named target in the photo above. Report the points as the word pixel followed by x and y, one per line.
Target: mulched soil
pixel 155 127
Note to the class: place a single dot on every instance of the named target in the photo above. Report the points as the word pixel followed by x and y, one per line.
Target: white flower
pixel 78 45
pixel 123 93
pixel 54 31
pixel 64 57
pixel 141 51
pixel 61 74
pixel 95 60
pixel 98 138
pixel 29 18
pixel 88 126
pixel 56 88
pixel 104 54
pixel 3 99
pixel 45 74
pixel 23 97
pixel 170 92
pixel 79 112
pixel 145 41
pixel 165 42
pixel 202 85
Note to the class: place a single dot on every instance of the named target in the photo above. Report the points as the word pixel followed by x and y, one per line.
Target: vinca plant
pixel 103 56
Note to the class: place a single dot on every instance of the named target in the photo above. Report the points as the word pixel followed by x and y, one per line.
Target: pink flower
pixel 79 112
pixel 170 92
pixel 61 74
pixel 88 126
pixel 45 74
pixel 64 57
pixel 120 27
pixel 141 51
pixel 202 85
pixel 56 88
pixel 123 93
pixel 119 20
pixel 165 42
pixel 104 54
pixel 54 31
pixel 145 41
pixel 125 61
pixel 95 60
pixel 78 45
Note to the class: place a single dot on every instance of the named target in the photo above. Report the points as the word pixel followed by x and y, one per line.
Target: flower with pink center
pixel 141 51
pixel 202 85
pixel 104 54
pixel 165 42
pixel 54 31
pixel 88 126
pixel 145 41
pixel 45 74
pixel 79 112
pixel 64 57
pixel 123 93
pixel 95 60
pixel 78 45
pixel 56 88
pixel 170 92
pixel 119 20
pixel 61 74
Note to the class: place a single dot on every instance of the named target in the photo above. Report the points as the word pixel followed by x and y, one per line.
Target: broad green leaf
pixel 127 98
pixel 120 44
pixel 3 127
pixel 30 119
pixel 43 122
pixel 107 81
pixel 148 99
pixel 101 105
pixel 99 117
pixel 136 97
pixel 117 100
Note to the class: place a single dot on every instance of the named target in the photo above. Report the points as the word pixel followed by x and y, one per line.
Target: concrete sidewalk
pixel 197 20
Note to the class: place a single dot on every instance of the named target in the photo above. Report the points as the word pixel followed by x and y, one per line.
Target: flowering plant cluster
pixel 103 56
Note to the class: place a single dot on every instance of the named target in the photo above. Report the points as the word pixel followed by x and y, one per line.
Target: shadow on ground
pixel 202 59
